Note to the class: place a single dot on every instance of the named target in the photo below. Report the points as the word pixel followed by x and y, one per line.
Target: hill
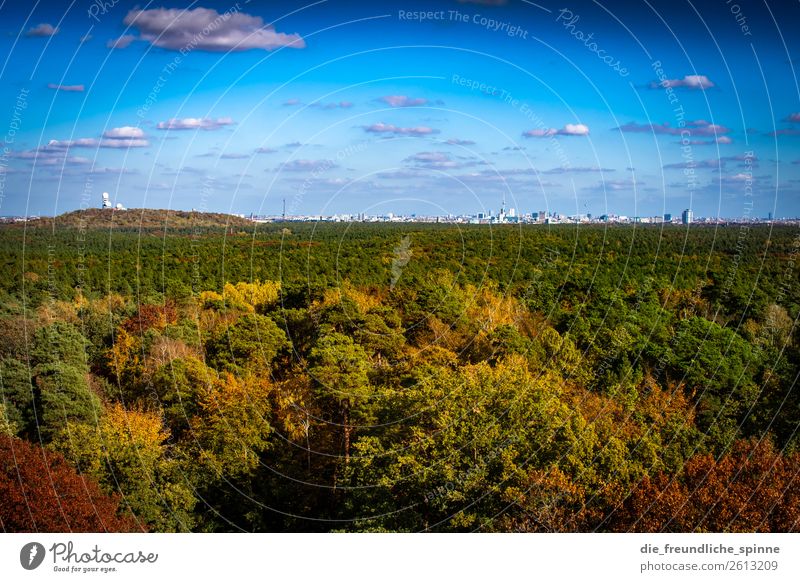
pixel 139 219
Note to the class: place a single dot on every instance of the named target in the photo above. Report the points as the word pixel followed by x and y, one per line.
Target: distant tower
pixel 284 209
pixel 687 216
pixel 106 200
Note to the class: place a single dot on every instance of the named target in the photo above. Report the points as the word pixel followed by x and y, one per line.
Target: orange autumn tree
pixel 40 492
pixel 752 488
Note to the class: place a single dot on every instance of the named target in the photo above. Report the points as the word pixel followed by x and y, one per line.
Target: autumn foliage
pixel 40 492
pixel 751 489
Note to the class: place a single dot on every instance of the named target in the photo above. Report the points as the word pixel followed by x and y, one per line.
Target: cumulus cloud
pixel 265 150
pixel 291 102
pixel 460 142
pixel 688 82
pixel 206 29
pixel 403 101
pixel 387 128
pixel 43 29
pixel 195 123
pixel 70 88
pixel 793 117
pixel 699 127
pixel 125 132
pixel 568 129
pixel 121 42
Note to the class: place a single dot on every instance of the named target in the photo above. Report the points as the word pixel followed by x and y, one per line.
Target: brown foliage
pixel 753 488
pixel 40 492
pixel 151 316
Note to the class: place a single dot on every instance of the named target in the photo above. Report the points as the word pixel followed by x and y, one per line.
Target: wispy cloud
pixel 440 161
pixel 705 164
pixel 332 105
pixel 205 123
pixel 387 128
pixel 568 129
pixel 699 127
pixel 121 42
pixel 577 170
pixel 68 88
pixel 403 101
pixel 701 82
pixel 307 166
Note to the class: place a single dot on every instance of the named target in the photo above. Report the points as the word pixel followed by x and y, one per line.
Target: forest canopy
pixel 311 377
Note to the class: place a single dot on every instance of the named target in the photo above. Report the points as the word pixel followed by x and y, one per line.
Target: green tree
pixel 251 343
pixel 63 396
pixel 340 366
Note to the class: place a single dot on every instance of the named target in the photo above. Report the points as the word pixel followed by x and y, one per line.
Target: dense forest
pixel 179 376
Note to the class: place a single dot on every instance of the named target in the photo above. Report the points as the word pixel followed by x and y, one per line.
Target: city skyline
pixel 412 108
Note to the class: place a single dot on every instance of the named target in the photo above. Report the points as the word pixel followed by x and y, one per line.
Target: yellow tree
pixel 128 453
pixel 232 427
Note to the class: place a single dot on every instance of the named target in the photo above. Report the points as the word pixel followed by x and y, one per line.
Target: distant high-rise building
pixel 667 218
pixel 770 217
pixel 687 216
pixel 106 200
pixel 512 212
pixel 542 215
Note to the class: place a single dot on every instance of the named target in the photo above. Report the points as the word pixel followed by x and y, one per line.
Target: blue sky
pixel 344 107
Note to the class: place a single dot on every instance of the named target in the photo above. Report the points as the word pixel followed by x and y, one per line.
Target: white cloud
pixel 121 42
pixel 69 88
pixel 461 142
pixel 43 29
pixel 418 131
pixel 206 29
pixel 688 82
pixel 307 166
pixel 568 129
pixel 195 123
pixel 124 132
pixel 403 101
pixel 440 161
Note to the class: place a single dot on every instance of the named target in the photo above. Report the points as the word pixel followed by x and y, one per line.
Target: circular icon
pixel 31 555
